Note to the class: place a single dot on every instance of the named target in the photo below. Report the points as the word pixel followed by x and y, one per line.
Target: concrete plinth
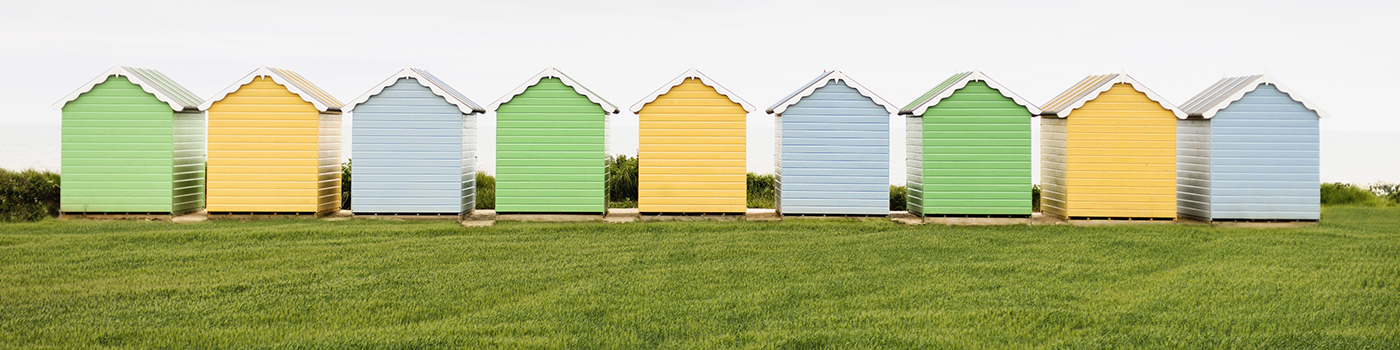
pixel 906 218
pixel 977 221
pixel 758 214
pixel 199 216
pixel 621 215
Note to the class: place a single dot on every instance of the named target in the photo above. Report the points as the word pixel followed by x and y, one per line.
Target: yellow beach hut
pixel 1114 158
pixel 274 146
pixel 691 148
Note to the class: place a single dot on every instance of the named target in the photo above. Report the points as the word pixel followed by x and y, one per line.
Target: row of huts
pixel 134 141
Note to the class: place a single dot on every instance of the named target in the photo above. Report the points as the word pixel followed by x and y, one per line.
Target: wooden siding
pixel 270 151
pixel 914 164
pixel 119 152
pixel 550 152
pixel 1121 157
pixel 977 154
pixel 835 154
pixel 691 150
pixel 1193 168
pixel 1264 159
pixel 410 153
pixel 1053 162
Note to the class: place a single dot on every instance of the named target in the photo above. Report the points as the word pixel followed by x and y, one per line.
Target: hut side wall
pixel 777 162
pixel 188 171
pixel 691 150
pixel 265 152
pixel 977 154
pixel 914 164
pixel 1054 163
pixel 117 151
pixel 1193 168
pixel 1122 157
pixel 550 152
pixel 328 173
pixel 836 154
pixel 1264 159
pixel 409 153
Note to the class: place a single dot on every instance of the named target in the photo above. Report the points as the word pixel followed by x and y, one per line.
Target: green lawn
pixel 797 284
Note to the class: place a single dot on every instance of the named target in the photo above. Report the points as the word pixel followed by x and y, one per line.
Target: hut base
pixel 549 217
pixel 978 221
pixel 413 216
pixel 147 216
pixel 268 215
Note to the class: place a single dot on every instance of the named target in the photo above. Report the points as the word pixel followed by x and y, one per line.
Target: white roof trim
pixel 551 72
pixel 821 82
pixel 276 78
pixel 135 78
pixel 1254 84
pixel 976 76
pixel 692 73
pixel 1121 78
pixel 442 91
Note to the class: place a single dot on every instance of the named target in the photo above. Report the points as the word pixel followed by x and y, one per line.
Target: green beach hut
pixel 133 143
pixel 968 147
pixel 551 147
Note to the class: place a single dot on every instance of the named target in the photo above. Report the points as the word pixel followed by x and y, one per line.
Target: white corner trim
pixel 554 73
pixel 692 73
pixel 276 78
pixel 135 79
pixel 410 73
pixel 1121 78
pixel 976 76
pixel 1253 85
pixel 834 75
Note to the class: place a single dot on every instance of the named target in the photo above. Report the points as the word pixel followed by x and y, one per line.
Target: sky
pixel 1339 54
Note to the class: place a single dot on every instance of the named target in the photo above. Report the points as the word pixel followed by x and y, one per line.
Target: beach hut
pixel 833 149
pixel 1108 151
pixel 274 146
pixel 968 146
pixel 691 148
pixel 1248 151
pixel 133 142
pixel 415 147
pixel 551 147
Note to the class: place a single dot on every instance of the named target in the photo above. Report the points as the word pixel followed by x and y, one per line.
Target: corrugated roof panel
pixel 1229 90
pixel 935 91
pixel 1077 92
pixel 821 81
pixel 309 88
pixel 449 90
pixel 1217 93
pixel 150 80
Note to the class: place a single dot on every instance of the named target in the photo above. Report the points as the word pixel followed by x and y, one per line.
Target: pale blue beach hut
pixel 1248 151
pixel 832 149
pixel 414 144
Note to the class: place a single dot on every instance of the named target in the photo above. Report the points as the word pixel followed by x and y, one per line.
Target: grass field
pixel 797 284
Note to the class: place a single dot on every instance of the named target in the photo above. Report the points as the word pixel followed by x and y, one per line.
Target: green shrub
pixel 761 190
pixel 1338 193
pixel 29 195
pixel 1035 198
pixel 485 191
pixel 345 184
pixel 621 182
pixel 899 198
pixel 1389 192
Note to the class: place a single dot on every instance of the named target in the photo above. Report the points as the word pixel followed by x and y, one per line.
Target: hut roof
pixel 291 80
pixel 957 81
pixel 427 80
pixel 821 81
pixel 1229 90
pixel 150 80
pixel 1091 87
pixel 552 72
pixel 704 79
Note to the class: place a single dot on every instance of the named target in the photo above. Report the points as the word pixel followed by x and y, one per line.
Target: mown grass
pixel 797 284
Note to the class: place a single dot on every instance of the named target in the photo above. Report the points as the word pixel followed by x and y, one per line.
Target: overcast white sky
pixel 1340 54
